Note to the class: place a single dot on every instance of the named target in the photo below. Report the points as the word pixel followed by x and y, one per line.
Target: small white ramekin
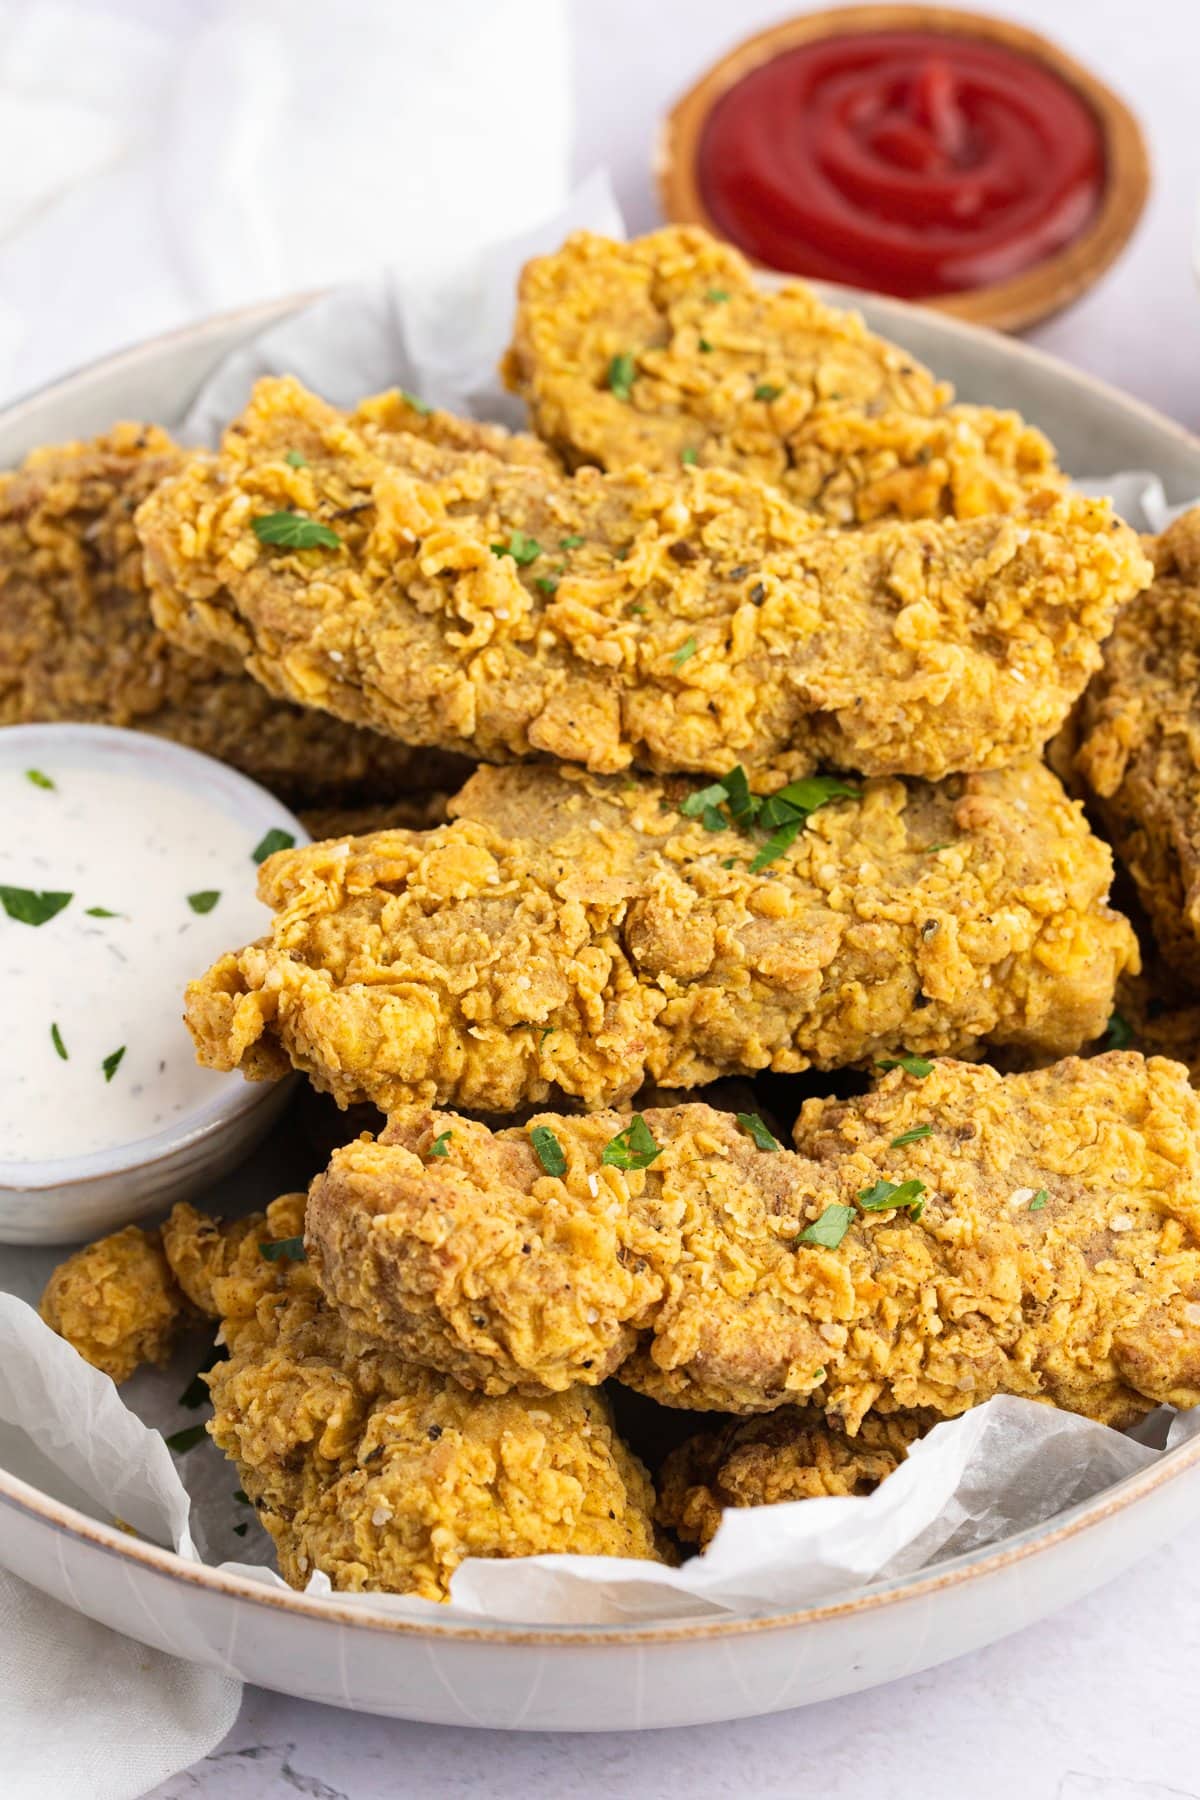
pixel 61 1200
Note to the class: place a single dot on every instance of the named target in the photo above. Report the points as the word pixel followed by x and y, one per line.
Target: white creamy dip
pixel 93 1051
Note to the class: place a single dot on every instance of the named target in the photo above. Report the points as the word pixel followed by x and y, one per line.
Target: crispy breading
pixel 571 934
pixel 410 812
pixel 77 640
pixel 117 1302
pixel 770 382
pixel 681 621
pixel 791 1454
pixel 396 411
pixel 1055 1253
pixel 1138 738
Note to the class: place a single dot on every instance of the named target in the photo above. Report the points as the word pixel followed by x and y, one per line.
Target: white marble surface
pixel 1100 1702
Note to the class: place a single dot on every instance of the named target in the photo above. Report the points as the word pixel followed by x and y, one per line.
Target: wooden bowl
pixel 1007 305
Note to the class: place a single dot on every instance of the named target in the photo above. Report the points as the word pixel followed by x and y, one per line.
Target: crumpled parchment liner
pixel 1001 1469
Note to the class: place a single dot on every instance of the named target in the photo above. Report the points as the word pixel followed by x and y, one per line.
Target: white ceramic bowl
pixel 63 1199
pixel 350 1653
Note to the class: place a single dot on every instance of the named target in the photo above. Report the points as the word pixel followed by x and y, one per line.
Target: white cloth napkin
pixel 161 161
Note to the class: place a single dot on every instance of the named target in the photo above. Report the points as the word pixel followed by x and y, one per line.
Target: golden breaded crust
pixel 772 383
pixel 792 1454
pixel 681 621
pixel 567 933
pixel 117 1302
pixel 1056 1254
pixel 411 812
pixel 77 640
pixel 395 411
pixel 1138 744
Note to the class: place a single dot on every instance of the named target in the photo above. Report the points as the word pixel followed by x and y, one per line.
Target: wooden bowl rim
pixel 1010 305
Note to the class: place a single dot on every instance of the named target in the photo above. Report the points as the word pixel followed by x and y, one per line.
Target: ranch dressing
pixel 94 1053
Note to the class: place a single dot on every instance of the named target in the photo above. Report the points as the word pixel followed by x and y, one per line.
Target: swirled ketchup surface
pixel 915 162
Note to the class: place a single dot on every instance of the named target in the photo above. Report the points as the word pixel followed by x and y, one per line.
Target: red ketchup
pixel 914 162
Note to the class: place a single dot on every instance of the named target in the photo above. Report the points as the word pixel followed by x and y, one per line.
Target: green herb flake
pixel 523 550
pixel 716 296
pixel 293 531
pixel 112 1062
pixel 270 842
pixel 570 543
pixel 1039 1200
pixel 1119 1035
pixel 705 346
pixel 920 1066
pixel 29 907
pixel 775 846
pixel 187 1439
pixel 688 457
pixel 783 814
pixel 829 1230
pixel 758 1131
pixel 205 900
pixel 885 1195
pixel 548 584
pixel 684 653
pixel 294 460
pixel 702 800
pixel 622 373
pixel 283 1249
pixel 633 1148
pixel 548 1150
pixel 38 779
pixel 767 391
pixel 242 1497
pixel 441 1144
pixel 548 1032
pixel 911 1137
pixel 102 912
pixel 242 1529
pixel 57 1041
pixel 417 405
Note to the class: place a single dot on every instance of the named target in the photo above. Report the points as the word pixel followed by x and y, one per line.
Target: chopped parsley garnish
pixel 102 912
pixel 570 543
pixel 112 1062
pixel 1119 1035
pixel 1039 1200
pixel 418 406
pixel 28 907
pixel 687 457
pixel 57 1041
pixel 885 1195
pixel 829 1230
pixel 205 900
pixel 920 1066
pixel 441 1144
pixel 241 1530
pixel 753 1124
pixel 187 1439
pixel 293 531
pixel 766 391
pixel 783 814
pixel 270 842
pixel 38 779
pixel 547 583
pixel 911 1137
pixel 622 373
pixel 684 653
pixel 548 1150
pixel 705 346
pixel 294 460
pixel 283 1250
pixel 633 1148
pixel 522 549
pixel 716 296
pixel 242 1497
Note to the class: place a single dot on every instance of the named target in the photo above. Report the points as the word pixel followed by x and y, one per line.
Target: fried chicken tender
pixel 410 812
pixel 117 1301
pixel 1138 735
pixel 571 934
pixel 382 1475
pixel 791 1454
pixel 1056 1254
pixel 77 640
pixel 681 621
pixel 668 347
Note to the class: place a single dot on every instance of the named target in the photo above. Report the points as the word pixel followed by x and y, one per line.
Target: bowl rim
pixel 69 1522
pixel 218 1112
pixel 1036 292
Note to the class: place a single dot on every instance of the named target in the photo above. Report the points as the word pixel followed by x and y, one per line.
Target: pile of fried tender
pixel 761 640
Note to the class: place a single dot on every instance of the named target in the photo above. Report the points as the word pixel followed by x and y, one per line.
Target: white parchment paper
pixel 1003 1468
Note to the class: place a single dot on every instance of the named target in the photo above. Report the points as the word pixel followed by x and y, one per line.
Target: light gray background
pixel 1099 1703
